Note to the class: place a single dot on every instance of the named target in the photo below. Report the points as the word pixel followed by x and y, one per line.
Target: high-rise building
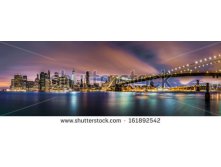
pixel 36 83
pixel 24 82
pixel 18 82
pixel 64 81
pixel 87 79
pixel 81 84
pixel 73 77
pixel 30 86
pixel 42 82
pixel 45 82
pixel 55 81
pixel 12 84
pixel 95 77
pixel 49 75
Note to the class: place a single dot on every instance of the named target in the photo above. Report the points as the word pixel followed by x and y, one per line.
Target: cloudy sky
pixel 30 58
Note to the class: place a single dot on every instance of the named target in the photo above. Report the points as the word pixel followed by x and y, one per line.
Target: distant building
pixel 24 82
pixel 87 79
pixel 73 77
pixel 55 81
pixel 19 82
pixel 95 77
pixel 36 83
pixel 30 86
pixel 63 82
pixel 12 84
pixel 42 82
pixel 81 83
pixel 45 82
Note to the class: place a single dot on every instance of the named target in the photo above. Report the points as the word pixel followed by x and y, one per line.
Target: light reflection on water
pixel 111 104
pixel 74 102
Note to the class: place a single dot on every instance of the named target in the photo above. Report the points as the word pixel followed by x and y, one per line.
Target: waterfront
pixel 108 104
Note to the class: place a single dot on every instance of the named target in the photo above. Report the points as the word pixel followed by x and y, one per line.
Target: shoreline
pixel 137 92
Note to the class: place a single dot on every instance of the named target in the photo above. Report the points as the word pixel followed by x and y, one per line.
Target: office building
pixel 87 79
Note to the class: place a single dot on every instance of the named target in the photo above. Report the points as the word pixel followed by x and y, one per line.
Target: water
pixel 108 104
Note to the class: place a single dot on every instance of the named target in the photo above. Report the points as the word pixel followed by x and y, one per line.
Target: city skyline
pixel 107 58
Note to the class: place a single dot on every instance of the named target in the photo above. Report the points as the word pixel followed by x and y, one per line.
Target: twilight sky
pixel 30 58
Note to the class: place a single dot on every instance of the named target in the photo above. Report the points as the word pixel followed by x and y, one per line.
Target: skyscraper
pixel 45 82
pixel 73 78
pixel 24 82
pixel 87 79
pixel 36 84
pixel 18 82
pixel 64 81
pixel 42 81
pixel 12 84
pixel 55 81
pixel 94 77
pixel 81 84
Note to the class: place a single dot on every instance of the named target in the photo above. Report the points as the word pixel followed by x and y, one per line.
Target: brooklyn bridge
pixel 194 69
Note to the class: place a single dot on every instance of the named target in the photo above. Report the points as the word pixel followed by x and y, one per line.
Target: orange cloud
pixel 4 84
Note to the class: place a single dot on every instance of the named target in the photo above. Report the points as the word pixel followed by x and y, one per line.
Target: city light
pixel 60 82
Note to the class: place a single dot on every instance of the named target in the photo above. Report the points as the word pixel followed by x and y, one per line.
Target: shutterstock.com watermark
pixel 111 120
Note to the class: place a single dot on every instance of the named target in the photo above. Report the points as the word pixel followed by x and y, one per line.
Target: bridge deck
pixel 146 78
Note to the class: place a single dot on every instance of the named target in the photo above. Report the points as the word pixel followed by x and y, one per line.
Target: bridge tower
pixel 197 85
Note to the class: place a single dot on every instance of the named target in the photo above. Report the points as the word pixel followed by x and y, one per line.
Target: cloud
pixel 105 57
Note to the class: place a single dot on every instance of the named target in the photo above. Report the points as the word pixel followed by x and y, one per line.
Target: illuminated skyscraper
pixel 55 81
pixel 64 81
pixel 45 82
pixel 30 86
pixel 18 82
pixel 73 77
pixel 24 82
pixel 94 77
pixel 42 81
pixel 36 84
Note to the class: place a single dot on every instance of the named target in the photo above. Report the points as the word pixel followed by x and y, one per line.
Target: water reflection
pixel 74 102
pixel 124 102
pixel 111 104
pixel 207 108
